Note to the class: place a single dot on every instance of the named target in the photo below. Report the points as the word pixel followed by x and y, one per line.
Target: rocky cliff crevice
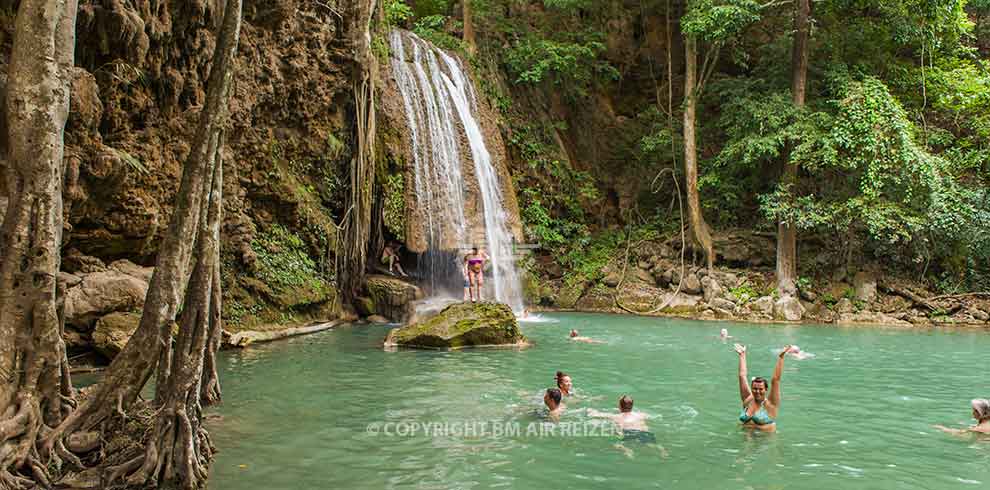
pixel 137 90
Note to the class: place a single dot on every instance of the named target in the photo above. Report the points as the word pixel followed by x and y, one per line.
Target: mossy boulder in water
pixel 461 325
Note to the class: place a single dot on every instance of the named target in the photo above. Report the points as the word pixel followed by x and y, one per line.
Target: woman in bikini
pixel 758 410
pixel 475 264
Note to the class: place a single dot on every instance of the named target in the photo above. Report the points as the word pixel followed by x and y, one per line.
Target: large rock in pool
pixel 390 297
pixel 461 325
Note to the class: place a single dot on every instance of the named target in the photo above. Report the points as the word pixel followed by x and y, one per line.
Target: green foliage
pixel 568 4
pixel 586 260
pixel 433 29
pixel 395 205
pixel 744 292
pixel 877 177
pixel 576 63
pixel 396 12
pixel 283 261
pixel 552 198
pixel 131 162
pixel 716 21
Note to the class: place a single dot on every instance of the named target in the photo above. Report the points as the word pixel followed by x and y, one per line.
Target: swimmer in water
pixel 981 412
pixel 759 410
pixel 564 383
pixel 577 338
pixel 633 426
pixel 799 354
pixel 724 334
pixel 626 419
pixel 552 399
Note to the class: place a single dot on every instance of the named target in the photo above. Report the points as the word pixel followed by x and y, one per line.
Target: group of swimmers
pixel 760 398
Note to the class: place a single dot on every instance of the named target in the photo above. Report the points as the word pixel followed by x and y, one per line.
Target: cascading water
pixel 437 94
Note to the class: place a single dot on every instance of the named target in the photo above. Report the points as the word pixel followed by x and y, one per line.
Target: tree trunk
pixel 179 449
pixel 357 229
pixel 786 230
pixel 150 346
pixel 699 228
pixel 34 378
pixel 468 26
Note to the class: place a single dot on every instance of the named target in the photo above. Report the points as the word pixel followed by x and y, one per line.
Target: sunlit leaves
pixel 716 21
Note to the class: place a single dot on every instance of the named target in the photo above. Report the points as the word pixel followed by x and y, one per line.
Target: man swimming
pixel 577 338
pixel 552 399
pixel 626 419
pixel 799 354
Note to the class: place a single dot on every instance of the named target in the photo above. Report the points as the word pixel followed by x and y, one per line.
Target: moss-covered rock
pixel 113 331
pixel 461 325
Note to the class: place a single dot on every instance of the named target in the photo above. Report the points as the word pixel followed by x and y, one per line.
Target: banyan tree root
pixel 34 378
pixel 179 449
pixel 622 277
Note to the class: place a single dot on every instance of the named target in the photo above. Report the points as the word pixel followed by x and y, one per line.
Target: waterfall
pixel 440 107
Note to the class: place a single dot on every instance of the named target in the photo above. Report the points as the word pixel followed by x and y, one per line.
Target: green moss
pixel 394 187
pixel 462 325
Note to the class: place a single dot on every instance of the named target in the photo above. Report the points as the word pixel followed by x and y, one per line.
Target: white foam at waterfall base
pixel 435 89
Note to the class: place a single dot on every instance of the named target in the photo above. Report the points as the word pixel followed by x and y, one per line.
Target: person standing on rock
pixel 475 264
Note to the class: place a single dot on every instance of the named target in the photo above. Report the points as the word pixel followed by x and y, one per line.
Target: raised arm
pixel 744 392
pixel 777 372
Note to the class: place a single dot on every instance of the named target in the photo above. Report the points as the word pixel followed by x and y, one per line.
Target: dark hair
pixel 625 403
pixel 474 249
pixel 560 377
pixel 555 395
pixel 760 379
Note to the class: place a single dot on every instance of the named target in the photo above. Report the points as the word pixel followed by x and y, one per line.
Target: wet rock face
pixel 461 325
pixel 135 100
pixel 391 297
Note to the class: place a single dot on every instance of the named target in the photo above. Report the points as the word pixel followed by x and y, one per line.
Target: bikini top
pixel 474 261
pixel 761 417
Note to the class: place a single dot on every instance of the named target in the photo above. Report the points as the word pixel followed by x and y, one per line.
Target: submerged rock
pixel 461 325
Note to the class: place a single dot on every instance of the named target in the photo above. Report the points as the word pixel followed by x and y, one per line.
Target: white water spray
pixel 437 93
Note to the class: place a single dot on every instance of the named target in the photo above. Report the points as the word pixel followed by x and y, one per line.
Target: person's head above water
pixel 981 409
pixel 563 382
pixel 759 389
pixel 625 404
pixel 725 332
pixel 552 398
pixel 574 333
